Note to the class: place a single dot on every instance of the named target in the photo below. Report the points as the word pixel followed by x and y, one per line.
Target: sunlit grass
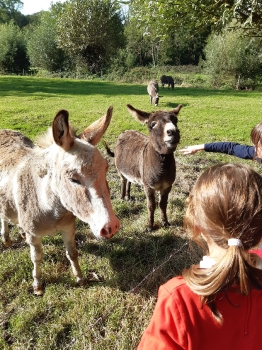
pixel 110 312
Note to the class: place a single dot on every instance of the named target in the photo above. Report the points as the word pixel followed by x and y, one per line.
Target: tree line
pixel 100 36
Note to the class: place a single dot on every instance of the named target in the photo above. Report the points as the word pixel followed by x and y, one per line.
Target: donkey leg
pixel 151 207
pixel 72 253
pixel 163 205
pixel 128 187
pixel 124 188
pixel 5 234
pixel 36 253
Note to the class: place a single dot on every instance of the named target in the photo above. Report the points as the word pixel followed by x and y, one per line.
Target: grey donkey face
pixel 156 100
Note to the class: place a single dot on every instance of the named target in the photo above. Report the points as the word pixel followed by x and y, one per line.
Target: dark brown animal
pixel 152 89
pixel 149 160
pixel 167 79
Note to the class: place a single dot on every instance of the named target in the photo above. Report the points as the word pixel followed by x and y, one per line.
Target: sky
pixel 33 6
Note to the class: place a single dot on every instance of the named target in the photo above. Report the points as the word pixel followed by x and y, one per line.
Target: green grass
pixel 112 311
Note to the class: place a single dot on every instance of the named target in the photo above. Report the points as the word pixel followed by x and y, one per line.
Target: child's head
pixel 226 203
pixel 256 138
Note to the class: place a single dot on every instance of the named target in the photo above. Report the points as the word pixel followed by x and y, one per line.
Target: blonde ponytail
pixel 226 205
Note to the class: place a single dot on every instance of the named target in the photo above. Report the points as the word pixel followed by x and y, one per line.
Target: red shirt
pixel 179 322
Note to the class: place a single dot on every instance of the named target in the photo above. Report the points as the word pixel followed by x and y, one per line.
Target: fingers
pixel 188 150
pixel 191 149
pixel 185 151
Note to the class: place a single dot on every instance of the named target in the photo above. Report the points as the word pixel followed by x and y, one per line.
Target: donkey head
pixel 162 126
pixel 79 176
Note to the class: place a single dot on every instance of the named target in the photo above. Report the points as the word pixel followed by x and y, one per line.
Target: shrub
pixel 233 59
pixel 13 54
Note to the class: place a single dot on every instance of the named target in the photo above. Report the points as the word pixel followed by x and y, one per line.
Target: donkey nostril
pixel 106 232
pixel 103 232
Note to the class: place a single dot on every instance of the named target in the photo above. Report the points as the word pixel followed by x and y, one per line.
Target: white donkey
pixel 42 190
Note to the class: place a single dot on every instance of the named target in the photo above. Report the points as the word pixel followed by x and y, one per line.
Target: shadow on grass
pixel 22 86
pixel 140 265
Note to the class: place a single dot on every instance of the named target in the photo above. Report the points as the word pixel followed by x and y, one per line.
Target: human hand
pixel 191 149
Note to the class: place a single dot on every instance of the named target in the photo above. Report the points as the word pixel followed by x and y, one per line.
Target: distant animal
pixel 167 79
pixel 149 160
pixel 42 190
pixel 152 89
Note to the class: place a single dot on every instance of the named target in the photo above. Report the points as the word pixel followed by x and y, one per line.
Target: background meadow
pixel 111 310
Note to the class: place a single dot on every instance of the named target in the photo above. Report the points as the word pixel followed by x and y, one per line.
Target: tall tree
pixel 42 45
pixel 92 31
pixel 161 39
pixel 138 47
pixel 9 10
pixel 13 53
pixel 199 14
pixel 233 58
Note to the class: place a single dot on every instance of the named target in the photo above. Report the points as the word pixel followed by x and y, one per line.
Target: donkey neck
pixel 162 158
pixel 158 167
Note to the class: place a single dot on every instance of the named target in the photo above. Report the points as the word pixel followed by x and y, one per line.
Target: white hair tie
pixel 236 242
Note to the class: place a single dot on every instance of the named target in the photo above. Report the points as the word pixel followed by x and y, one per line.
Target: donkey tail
pixel 108 150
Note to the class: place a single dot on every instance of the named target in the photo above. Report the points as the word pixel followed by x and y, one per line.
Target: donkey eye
pixel 153 124
pixel 75 181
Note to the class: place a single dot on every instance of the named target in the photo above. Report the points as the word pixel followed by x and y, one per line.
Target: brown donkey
pixel 149 160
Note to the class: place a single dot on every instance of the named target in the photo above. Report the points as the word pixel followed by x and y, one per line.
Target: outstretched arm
pixel 192 149
pixel 231 148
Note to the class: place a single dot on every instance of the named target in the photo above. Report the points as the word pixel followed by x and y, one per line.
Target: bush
pixel 233 60
pixel 42 46
pixel 13 54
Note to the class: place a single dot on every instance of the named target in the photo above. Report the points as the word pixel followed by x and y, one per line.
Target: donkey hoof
pixel 167 224
pixel 7 243
pixel 81 281
pixel 38 291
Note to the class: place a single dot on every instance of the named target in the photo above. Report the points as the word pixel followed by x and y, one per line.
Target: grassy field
pixel 112 310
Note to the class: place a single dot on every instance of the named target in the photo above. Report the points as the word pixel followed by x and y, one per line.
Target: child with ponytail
pixel 216 304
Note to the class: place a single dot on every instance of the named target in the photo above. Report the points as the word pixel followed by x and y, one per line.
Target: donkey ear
pixel 177 109
pixel 96 130
pixel 62 130
pixel 137 114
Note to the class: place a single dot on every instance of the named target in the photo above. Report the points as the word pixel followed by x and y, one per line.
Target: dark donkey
pixel 167 79
pixel 149 161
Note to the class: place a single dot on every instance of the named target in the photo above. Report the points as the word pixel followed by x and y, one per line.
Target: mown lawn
pixel 112 310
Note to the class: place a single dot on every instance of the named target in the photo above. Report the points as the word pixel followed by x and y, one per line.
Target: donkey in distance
pixel 167 79
pixel 152 89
